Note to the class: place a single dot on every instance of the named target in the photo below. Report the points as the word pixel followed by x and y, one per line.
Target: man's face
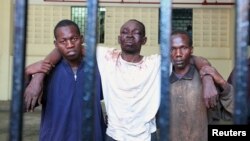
pixel 69 42
pixel 131 37
pixel 180 51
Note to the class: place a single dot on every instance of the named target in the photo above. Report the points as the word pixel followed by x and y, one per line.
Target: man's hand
pixel 210 92
pixel 33 92
pixel 218 79
pixel 39 67
pixel 210 77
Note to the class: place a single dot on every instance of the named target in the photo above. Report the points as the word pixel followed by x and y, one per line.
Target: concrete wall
pixel 6 23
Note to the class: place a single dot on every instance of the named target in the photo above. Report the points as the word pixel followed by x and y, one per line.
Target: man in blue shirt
pixel 62 114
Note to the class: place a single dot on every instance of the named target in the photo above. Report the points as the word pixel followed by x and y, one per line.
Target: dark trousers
pixel 153 137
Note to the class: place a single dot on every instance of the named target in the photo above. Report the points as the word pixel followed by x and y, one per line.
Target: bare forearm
pixel 39 77
pixel 26 78
pixel 33 91
pixel 37 67
pixel 209 90
pixel 28 73
pixel 200 62
pixel 53 57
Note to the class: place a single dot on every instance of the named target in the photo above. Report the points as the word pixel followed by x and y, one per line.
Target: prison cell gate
pixel 16 121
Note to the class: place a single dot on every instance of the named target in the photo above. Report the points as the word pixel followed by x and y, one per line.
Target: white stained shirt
pixel 131 94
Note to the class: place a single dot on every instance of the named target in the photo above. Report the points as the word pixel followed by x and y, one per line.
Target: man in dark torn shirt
pixel 189 115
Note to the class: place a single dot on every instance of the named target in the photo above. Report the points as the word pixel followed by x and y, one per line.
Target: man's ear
pixel 82 39
pixel 191 51
pixel 119 39
pixel 144 40
pixel 55 44
pixel 83 51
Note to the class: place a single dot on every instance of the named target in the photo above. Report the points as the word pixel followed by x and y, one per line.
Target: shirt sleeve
pixel 226 99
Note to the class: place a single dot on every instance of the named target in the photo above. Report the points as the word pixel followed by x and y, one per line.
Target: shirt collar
pixel 188 76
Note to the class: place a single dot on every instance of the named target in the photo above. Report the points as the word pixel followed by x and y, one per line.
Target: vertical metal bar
pixel 89 71
pixel 240 112
pixel 165 31
pixel 18 71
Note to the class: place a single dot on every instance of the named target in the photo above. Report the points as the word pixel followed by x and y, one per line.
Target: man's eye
pixel 74 39
pixel 124 32
pixel 62 41
pixel 137 32
pixel 185 48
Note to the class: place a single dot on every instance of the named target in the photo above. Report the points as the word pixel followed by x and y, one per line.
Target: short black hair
pixel 141 24
pixel 183 32
pixel 66 22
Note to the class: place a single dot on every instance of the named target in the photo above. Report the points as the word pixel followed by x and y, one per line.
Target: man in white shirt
pixel 130 84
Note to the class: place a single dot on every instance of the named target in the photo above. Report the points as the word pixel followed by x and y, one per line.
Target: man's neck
pixel 181 72
pixel 133 58
pixel 75 63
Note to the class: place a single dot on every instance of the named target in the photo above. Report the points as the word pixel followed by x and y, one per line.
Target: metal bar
pixel 165 31
pixel 16 117
pixel 242 23
pixel 89 71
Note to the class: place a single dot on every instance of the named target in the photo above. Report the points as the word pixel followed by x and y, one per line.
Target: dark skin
pixel 181 53
pixel 33 91
pixel 131 38
pixel 69 44
pixel 38 67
